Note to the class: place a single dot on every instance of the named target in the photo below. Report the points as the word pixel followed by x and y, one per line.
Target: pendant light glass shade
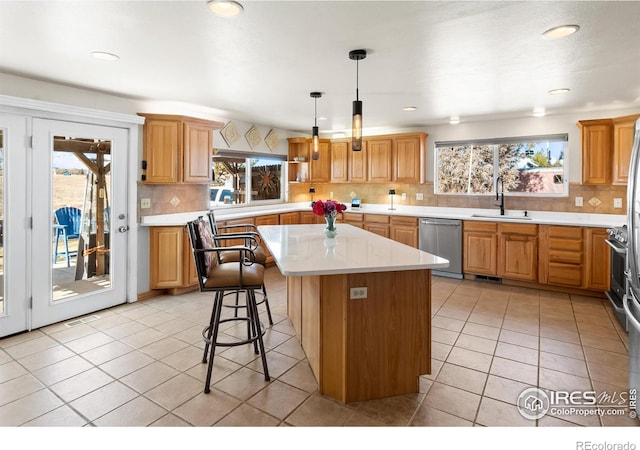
pixel 315 139
pixel 356 121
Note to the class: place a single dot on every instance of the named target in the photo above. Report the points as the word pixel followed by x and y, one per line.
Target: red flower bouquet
pixel 328 208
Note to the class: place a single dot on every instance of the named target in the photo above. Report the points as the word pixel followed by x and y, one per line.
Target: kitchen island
pixel 360 305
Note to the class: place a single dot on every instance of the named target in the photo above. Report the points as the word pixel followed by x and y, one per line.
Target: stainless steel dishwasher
pixel 443 237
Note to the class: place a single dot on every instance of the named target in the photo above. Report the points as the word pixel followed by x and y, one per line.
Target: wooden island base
pixel 361 349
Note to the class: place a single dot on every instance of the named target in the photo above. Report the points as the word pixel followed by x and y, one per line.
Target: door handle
pixel 123 228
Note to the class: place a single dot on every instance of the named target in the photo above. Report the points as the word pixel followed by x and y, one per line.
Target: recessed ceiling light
pixel 560 32
pixel 409 108
pixel 454 120
pixel 539 112
pixel 225 8
pixel 105 56
pixel 559 91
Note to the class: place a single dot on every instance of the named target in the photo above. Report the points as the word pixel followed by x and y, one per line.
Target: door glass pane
pixel 2 140
pixel 81 195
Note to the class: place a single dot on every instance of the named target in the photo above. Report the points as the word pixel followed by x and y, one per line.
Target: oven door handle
pixel 630 317
pixel 616 247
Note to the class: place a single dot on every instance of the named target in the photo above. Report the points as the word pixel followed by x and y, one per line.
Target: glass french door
pixel 14 292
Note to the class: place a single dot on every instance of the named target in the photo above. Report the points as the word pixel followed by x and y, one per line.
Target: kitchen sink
pixel 498 216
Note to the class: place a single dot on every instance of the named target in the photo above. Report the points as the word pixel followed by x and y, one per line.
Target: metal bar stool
pixel 252 240
pixel 220 278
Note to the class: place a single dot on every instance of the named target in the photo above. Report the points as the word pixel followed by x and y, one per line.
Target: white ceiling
pixel 476 59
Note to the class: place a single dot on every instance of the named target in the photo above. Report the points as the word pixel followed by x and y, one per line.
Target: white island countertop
pixel 302 250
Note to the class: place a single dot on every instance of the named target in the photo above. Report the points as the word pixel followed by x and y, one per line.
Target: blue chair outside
pixel 67 226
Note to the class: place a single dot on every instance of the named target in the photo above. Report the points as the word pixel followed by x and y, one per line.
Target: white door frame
pixel 27 109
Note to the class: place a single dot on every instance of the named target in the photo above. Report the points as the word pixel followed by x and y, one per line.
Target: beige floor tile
pixel 175 391
pixel 578 419
pixel 469 358
pixel 517 353
pixel 320 411
pixel 504 389
pixel 191 335
pixel 126 364
pixel 20 338
pixel 435 369
pixel 46 357
pixel 163 347
pixel 177 325
pixel 358 419
pixel 103 400
pixel 155 318
pixel 278 399
pixel 62 370
pixel 300 376
pixel 607 374
pixel 292 348
pixel 68 334
pixel 605 358
pixel 452 400
pixel 462 377
pixel 11 370
pixel 184 359
pixel 559 334
pixel 595 330
pixel 28 408
pixel 430 417
pixel 81 384
pixel 242 354
pixel 440 351
pixel 476 343
pixel 149 376
pixel 247 416
pixel 483 331
pixel 125 329
pixel 563 364
pixel 550 421
pixel 447 323
pixel 206 409
pixel 514 370
pixel 89 342
pixel 4 358
pixel 59 417
pixel 30 347
pixel 277 364
pixel 444 336
pixel 107 352
pixel 137 313
pixel 396 410
pixel 109 322
pixel 242 384
pixel 143 338
pixel 496 413
pixel 521 339
pixel 561 381
pixel 18 387
pixel 485 319
pixel 610 345
pixel 222 368
pixel 139 412
pixel 453 313
pixel 170 420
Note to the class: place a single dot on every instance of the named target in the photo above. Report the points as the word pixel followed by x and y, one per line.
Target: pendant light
pixel 315 143
pixel 356 124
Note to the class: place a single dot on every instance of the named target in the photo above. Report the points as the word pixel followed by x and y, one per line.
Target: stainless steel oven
pixel 618 286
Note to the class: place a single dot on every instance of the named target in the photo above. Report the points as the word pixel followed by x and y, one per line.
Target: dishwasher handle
pixel 440 224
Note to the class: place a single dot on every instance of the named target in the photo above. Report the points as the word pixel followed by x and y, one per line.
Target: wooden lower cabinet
pixel 291 218
pixel 271 219
pixel 405 230
pixel 355 219
pixel 309 218
pixel 598 263
pixel 518 251
pixel 378 224
pixel 171 264
pixel 561 255
pixel 480 248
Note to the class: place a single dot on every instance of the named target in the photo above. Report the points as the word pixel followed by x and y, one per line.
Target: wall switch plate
pixel 578 201
pixel 145 203
pixel 419 196
pixel 617 202
pixel 357 292
pixel 404 196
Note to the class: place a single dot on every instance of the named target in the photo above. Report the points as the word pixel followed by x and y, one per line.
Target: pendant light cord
pixel 315 111
pixel 357 76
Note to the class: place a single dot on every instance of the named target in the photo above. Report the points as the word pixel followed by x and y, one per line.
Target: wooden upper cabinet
pixel 596 151
pixel 623 134
pixel 320 169
pixel 177 149
pixel 357 163
pixel 409 158
pixel 379 163
pixel 339 161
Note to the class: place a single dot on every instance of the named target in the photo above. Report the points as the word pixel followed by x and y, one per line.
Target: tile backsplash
pixel 175 198
pixel 595 199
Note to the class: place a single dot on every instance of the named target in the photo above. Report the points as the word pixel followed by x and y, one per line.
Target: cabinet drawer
pixel 570 245
pixel 376 218
pixel 404 221
pixel 561 256
pixel 562 232
pixel 565 274
pixel 516 228
pixel 352 217
pixel 490 227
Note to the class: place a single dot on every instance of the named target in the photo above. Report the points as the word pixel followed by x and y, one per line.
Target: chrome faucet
pixel 500 193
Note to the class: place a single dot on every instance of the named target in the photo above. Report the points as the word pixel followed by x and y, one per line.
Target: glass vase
pixel 330 231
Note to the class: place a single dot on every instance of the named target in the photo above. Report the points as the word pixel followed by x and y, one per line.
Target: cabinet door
pixel 198 142
pixel 405 235
pixel 379 160
pixel 271 219
pixel 162 150
pixel 518 257
pixel 166 250
pixel 339 158
pixel 406 160
pixel 623 134
pixel 358 164
pixel 596 151
pixel 189 275
pixel 598 258
pixel 291 218
pixel 480 253
pixel 308 218
pixel 377 228
pixel 320 169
